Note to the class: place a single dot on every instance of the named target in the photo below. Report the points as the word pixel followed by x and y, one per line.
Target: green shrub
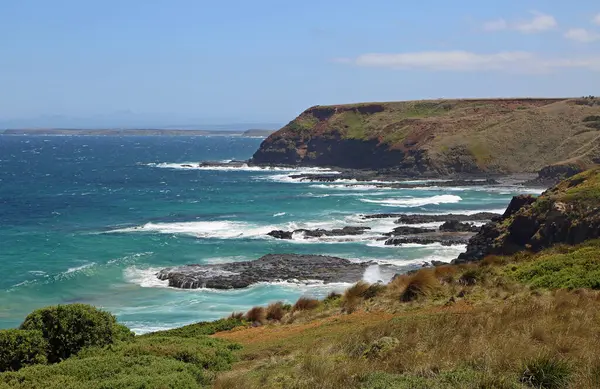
pixel 201 328
pixel 147 362
pixel 574 267
pixel 19 348
pixel 69 328
pixel 546 373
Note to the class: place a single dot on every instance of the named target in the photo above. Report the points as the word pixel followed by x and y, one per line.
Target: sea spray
pixel 372 274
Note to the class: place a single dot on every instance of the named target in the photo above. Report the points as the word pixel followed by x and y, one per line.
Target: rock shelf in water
pixel 269 268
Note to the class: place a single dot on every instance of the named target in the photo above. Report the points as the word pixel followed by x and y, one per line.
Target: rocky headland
pixel 439 138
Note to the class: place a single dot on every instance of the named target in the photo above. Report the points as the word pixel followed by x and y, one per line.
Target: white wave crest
pixel 146 278
pixel 79 268
pixel 415 201
pixel 243 167
pixel 204 229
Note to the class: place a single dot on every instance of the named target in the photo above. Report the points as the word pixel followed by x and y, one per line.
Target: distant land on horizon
pixel 138 132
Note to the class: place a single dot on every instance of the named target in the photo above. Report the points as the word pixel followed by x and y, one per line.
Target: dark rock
pixel 445 239
pixel 279 234
pixel 409 231
pixel 456 226
pixel 269 268
pixel 419 219
pixel 517 203
pixel 438 263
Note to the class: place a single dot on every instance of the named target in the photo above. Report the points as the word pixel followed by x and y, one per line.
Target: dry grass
pixel 472 326
pixel 306 304
pixel 419 284
pixel 275 311
pixel 236 315
pixel 493 343
pixel 257 315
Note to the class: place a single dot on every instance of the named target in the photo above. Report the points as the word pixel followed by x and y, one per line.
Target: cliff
pixel 440 137
pixel 568 213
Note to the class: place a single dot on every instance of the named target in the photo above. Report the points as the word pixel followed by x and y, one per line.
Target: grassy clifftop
pixel 566 213
pixel 442 136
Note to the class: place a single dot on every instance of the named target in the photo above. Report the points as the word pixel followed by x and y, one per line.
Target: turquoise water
pixel 91 219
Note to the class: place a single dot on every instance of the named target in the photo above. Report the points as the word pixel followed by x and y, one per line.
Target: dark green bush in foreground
pixel 69 328
pixel 148 362
pixel 20 348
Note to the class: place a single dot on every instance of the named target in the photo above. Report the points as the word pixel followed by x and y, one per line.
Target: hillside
pixel 440 137
pixel 568 213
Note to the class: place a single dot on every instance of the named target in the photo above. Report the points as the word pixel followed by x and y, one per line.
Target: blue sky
pixel 233 60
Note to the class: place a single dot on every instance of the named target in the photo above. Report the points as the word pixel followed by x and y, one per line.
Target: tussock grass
pixel 275 311
pixel 256 315
pixel 306 304
pixel 419 284
pixel 468 326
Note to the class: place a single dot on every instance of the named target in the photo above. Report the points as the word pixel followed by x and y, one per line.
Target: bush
pixel 306 304
pixel 201 328
pixel 69 328
pixel 19 348
pixel 147 362
pixel 546 373
pixel 419 284
pixel 257 315
pixel 275 311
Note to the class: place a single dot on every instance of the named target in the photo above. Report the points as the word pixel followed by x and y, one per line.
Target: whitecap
pixel 202 229
pixel 79 268
pixel 146 278
pixel 415 201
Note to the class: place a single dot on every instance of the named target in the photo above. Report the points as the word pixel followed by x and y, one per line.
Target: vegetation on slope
pixel 480 325
pixel 78 346
pixel 567 213
pixel 442 136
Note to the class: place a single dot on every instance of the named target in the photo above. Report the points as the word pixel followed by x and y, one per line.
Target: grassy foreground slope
pixel 526 321
pixel 442 136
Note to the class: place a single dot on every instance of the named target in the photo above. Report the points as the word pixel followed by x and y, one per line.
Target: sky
pixel 185 62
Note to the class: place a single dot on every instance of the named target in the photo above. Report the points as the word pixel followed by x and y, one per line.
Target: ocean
pixel 92 219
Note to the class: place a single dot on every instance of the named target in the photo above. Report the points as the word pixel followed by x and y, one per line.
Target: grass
pixel 148 362
pixel 256 315
pixel 576 267
pixel 449 136
pixel 276 311
pixel 305 304
pixel 469 326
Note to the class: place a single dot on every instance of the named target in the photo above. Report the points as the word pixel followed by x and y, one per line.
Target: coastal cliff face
pixel 567 213
pixel 441 137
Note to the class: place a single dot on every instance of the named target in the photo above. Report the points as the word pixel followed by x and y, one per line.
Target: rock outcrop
pixel 456 226
pixel 419 219
pixel 568 213
pixel 439 137
pixel 443 238
pixel 346 231
pixel 269 268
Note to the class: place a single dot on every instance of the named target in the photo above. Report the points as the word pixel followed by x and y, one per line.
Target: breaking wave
pixel 415 202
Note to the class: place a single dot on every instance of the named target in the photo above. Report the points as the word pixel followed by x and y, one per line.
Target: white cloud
pixel 538 23
pixel 596 19
pixel 510 61
pixel 582 35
